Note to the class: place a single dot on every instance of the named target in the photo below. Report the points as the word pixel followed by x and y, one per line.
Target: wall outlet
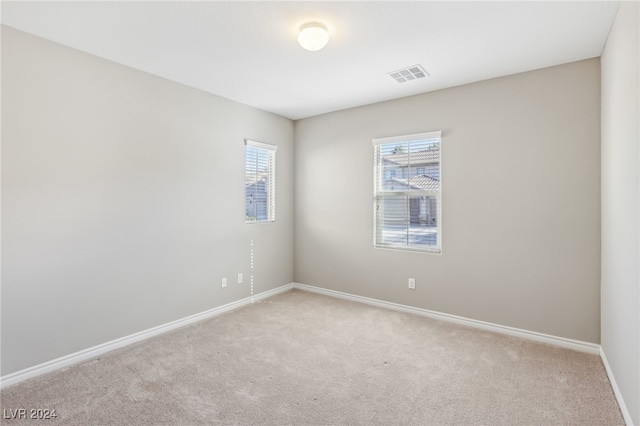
pixel 223 282
pixel 412 283
pixel 239 278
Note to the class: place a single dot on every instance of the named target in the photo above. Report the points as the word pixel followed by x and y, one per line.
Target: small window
pixel 260 200
pixel 407 210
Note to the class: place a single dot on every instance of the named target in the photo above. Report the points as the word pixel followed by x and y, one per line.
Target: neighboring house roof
pixel 254 181
pixel 414 158
pixel 422 182
pixel 256 187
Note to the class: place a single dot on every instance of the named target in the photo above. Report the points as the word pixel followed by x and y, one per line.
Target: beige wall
pixel 521 202
pixel 621 204
pixel 123 201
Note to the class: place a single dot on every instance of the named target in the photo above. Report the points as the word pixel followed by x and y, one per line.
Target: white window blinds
pixel 260 161
pixel 407 192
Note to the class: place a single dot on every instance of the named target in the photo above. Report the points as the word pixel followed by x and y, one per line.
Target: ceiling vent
pixel 410 73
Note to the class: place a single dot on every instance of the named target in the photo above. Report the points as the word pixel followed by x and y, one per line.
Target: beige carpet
pixel 305 359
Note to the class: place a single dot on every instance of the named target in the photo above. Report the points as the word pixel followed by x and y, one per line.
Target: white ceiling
pixel 247 51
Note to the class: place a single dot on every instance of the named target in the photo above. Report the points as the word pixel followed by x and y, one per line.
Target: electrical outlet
pixel 239 278
pixel 223 282
pixel 412 283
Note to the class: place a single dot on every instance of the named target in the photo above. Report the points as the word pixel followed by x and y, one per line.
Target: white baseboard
pixel 616 391
pixel 577 345
pixel 74 358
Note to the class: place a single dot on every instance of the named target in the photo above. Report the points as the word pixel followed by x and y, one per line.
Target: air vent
pixel 410 73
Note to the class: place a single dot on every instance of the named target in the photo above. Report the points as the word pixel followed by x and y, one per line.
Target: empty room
pixel 320 213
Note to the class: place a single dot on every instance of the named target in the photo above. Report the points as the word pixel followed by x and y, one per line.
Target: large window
pixel 407 192
pixel 260 185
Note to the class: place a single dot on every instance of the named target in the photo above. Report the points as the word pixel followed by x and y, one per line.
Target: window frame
pixel 270 151
pixel 379 193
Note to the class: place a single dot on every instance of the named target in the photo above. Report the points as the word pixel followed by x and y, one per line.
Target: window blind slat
pixel 256 144
pixel 414 137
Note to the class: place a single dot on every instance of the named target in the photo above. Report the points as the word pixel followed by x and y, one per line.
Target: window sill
pixel 437 251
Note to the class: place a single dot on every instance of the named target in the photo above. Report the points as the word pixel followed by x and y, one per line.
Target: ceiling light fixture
pixel 313 36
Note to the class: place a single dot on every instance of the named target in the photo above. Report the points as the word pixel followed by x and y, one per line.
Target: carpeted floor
pixel 304 359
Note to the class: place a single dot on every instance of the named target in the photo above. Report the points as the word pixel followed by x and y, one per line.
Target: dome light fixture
pixel 313 36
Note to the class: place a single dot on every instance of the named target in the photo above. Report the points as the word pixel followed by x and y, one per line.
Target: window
pixel 260 200
pixel 407 209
